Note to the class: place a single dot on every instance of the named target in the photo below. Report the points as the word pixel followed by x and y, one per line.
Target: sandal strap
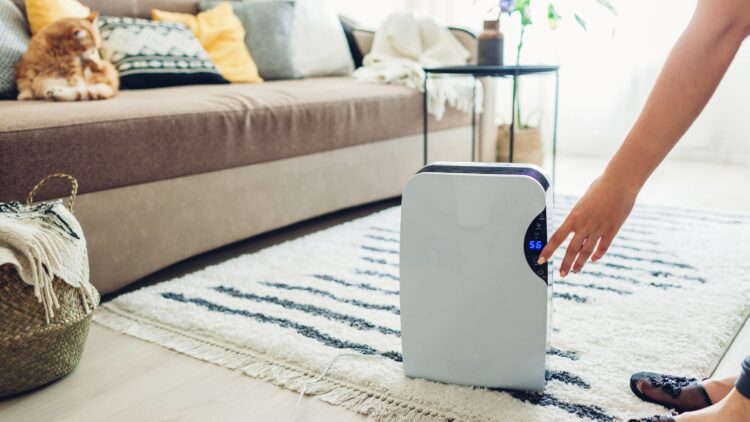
pixel 657 418
pixel 672 384
pixel 704 391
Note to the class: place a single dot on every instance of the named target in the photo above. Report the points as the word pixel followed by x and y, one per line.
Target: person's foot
pixel 680 393
pixel 733 408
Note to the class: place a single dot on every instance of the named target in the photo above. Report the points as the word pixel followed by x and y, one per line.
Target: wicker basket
pixel 32 351
pixel 527 146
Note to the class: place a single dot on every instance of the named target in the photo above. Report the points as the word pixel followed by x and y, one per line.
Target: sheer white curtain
pixel 453 12
pixel 607 71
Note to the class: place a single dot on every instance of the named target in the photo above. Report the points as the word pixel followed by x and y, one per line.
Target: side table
pixel 476 71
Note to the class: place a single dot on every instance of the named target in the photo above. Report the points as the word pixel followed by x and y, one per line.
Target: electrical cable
pixel 323 374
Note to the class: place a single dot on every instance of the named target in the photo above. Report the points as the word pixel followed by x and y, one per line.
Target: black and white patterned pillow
pixel 151 54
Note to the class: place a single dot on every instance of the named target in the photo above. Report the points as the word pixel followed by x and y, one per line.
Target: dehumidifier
pixel 475 305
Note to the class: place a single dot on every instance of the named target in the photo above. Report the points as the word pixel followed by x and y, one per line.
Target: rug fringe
pixel 380 407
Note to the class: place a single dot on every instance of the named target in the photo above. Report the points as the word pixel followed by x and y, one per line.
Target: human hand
pixel 594 222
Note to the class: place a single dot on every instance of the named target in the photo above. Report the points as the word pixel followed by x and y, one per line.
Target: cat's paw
pixel 101 92
pixel 57 93
pixel 53 93
pixel 25 95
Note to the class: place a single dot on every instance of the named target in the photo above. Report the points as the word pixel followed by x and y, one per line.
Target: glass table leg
pixel 513 119
pixel 554 130
pixel 424 120
pixel 474 119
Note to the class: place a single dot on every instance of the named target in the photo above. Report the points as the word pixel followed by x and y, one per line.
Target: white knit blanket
pixel 44 241
pixel 404 45
pixel 669 296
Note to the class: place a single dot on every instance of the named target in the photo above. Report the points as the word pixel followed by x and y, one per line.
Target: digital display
pixel 534 242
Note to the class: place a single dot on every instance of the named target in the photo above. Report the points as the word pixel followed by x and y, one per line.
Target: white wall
pixel 605 84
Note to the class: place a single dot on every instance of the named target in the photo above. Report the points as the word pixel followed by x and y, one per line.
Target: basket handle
pixel 69 178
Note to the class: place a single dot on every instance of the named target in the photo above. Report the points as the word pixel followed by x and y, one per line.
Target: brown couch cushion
pixel 147 135
pixel 133 8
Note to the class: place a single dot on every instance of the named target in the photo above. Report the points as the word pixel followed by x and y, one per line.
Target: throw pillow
pixel 43 12
pixel 268 28
pixel 319 45
pixel 223 37
pixel 350 26
pixel 14 39
pixel 152 54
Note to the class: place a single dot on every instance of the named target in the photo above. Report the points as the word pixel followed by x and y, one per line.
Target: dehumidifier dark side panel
pixel 533 243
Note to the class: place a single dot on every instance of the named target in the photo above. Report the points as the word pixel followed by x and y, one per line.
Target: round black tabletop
pixel 477 70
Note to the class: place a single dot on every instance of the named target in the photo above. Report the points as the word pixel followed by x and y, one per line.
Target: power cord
pixel 323 374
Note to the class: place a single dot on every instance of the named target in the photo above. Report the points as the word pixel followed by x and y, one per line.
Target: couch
pixel 169 173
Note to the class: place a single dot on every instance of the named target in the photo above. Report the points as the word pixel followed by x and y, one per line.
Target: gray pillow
pixel 14 40
pixel 268 34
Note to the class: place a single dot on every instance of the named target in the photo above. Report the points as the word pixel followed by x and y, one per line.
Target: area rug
pixel 670 296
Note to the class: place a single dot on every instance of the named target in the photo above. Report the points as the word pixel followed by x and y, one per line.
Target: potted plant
pixel 527 144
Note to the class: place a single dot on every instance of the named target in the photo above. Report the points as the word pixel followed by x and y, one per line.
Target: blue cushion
pixel 268 34
pixel 14 40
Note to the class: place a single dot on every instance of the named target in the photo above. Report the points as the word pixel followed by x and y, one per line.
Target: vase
pixel 490 44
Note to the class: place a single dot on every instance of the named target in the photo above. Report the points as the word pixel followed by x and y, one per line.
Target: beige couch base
pixel 137 230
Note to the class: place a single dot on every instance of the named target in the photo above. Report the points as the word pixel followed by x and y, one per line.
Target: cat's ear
pixel 92 17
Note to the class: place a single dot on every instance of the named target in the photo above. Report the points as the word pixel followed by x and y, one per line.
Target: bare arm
pixel 689 78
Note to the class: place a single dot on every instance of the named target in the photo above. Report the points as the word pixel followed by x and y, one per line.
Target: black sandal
pixel 679 393
pixel 656 418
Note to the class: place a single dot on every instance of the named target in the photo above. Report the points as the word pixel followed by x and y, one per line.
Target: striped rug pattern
pixel 670 296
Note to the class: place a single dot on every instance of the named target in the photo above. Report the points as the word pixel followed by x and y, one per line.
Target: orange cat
pixel 63 64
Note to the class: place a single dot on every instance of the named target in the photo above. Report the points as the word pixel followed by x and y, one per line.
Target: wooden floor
pixel 124 379
pixel 121 378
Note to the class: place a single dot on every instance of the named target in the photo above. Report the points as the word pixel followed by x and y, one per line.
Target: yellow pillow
pixel 221 33
pixel 43 12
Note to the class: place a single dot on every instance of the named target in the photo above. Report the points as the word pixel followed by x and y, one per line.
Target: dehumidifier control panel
pixel 533 243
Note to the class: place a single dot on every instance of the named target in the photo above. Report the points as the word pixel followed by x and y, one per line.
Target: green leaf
pixel 523 7
pixel 580 21
pixel 607 5
pixel 526 17
pixel 553 18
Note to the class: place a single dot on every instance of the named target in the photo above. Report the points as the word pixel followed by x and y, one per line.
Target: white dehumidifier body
pixel 475 305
